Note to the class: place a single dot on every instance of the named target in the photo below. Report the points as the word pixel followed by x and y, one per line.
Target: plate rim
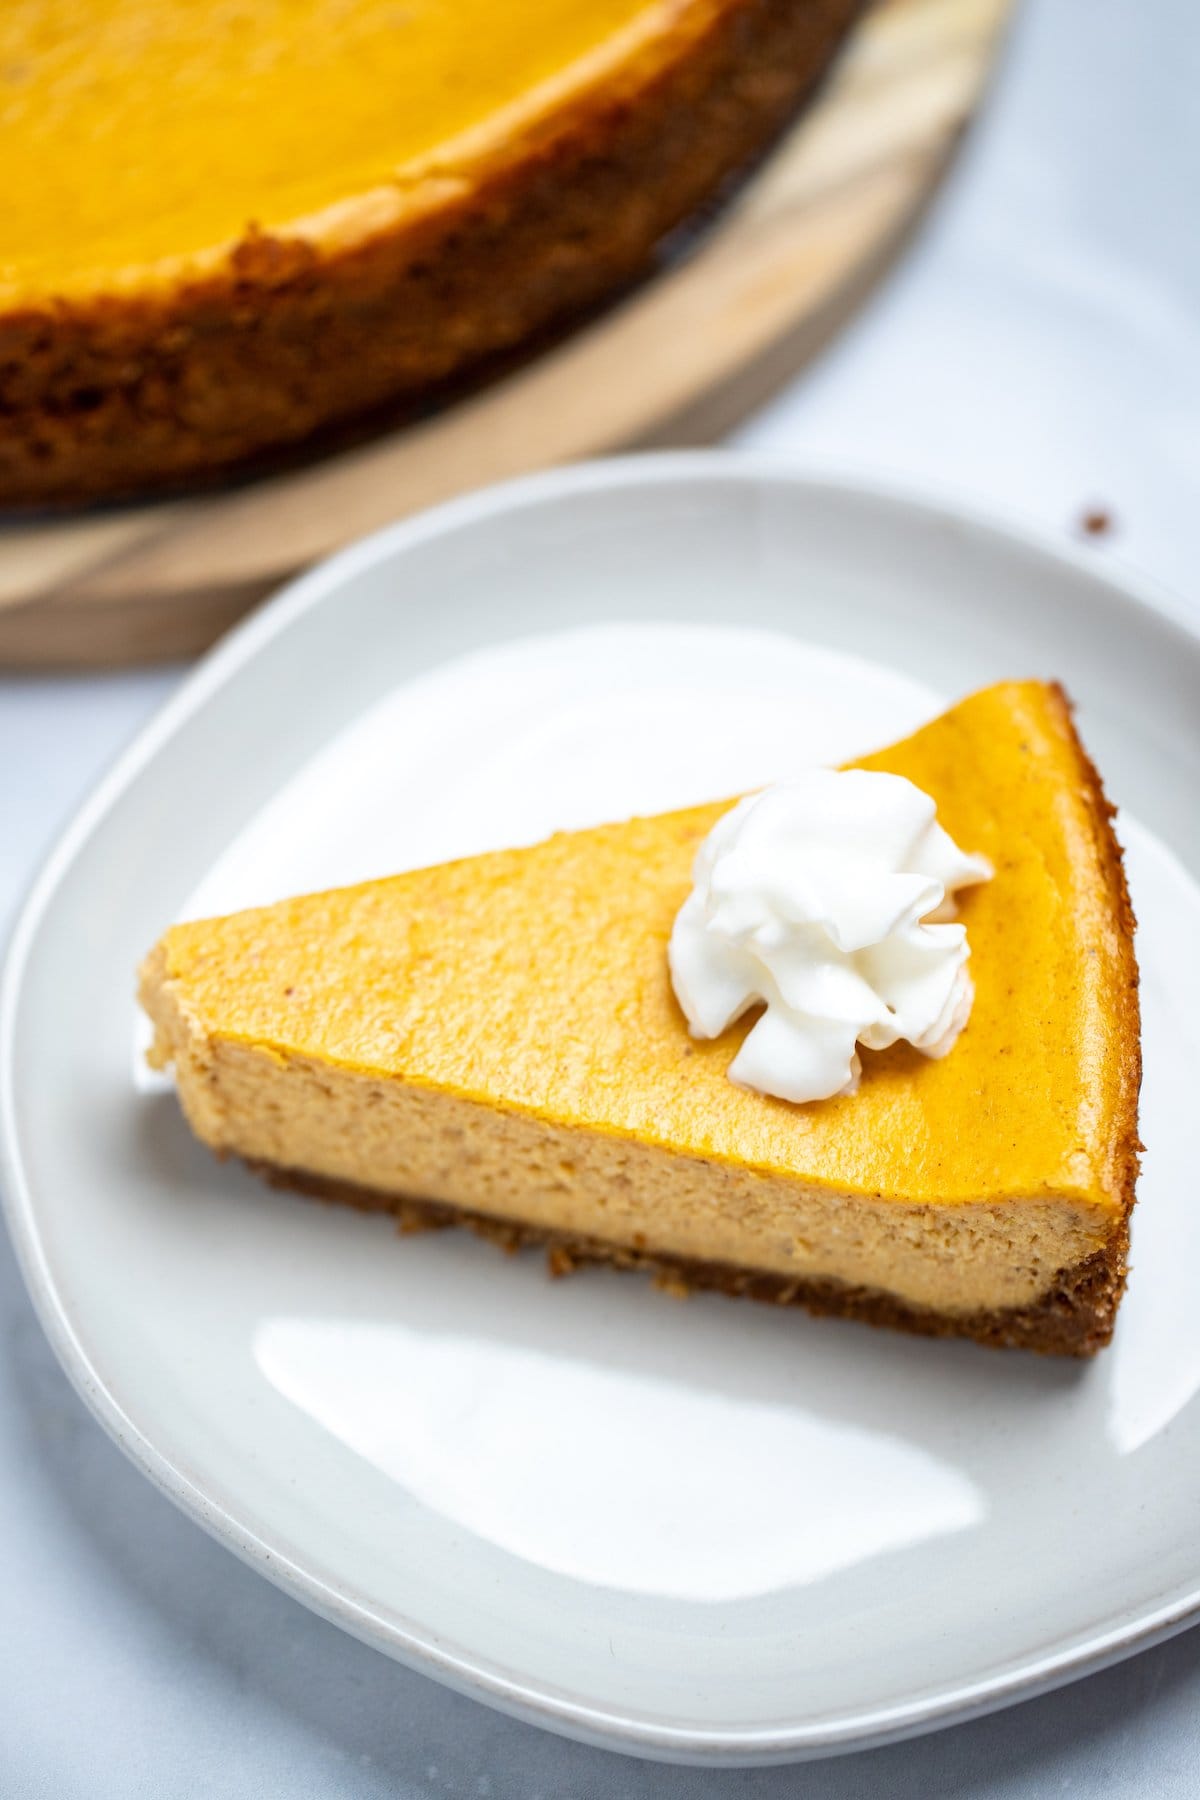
pixel 479 1676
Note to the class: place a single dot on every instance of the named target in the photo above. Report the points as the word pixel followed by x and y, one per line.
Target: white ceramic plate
pixel 703 1531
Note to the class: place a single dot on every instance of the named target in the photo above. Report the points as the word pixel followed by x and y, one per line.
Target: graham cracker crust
pixel 1074 1318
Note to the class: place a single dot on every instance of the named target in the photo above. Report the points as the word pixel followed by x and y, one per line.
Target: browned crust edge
pixel 1127 1020
pixel 1074 1318
pixel 117 396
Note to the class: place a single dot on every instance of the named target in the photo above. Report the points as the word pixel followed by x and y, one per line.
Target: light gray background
pixel 1039 350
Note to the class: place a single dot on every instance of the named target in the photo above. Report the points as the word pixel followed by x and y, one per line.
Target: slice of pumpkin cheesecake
pixel 739 1044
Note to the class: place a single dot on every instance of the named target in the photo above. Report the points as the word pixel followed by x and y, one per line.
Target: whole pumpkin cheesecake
pixel 573 1042
pixel 224 226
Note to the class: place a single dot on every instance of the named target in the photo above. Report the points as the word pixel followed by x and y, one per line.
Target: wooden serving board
pixel 677 362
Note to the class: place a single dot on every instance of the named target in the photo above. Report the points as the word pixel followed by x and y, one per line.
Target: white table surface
pixel 1039 350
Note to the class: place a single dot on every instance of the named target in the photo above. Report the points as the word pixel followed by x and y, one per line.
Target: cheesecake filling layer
pixel 401 1138
pixel 165 130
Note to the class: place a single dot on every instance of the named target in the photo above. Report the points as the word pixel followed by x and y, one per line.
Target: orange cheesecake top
pixel 537 980
pixel 133 131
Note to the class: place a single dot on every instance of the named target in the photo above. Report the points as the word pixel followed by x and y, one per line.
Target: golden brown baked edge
pixel 1126 1004
pixel 121 395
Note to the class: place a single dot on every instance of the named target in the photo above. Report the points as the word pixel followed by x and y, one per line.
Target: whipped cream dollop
pixel 828 900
